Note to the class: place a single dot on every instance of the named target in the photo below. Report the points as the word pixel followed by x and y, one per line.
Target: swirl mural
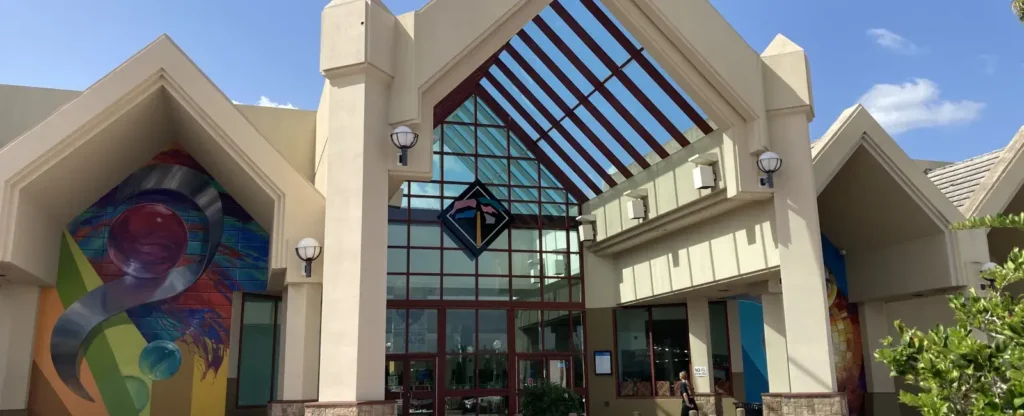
pixel 139 320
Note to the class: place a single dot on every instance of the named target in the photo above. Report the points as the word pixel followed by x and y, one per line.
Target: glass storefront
pixel 482 300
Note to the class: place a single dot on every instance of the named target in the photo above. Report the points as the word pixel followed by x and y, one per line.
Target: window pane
pixel 531 372
pixel 396 286
pixel 493 372
pixel 556 240
pixel 526 289
pixel 257 346
pixel 555 264
pixel 577 332
pixel 394 377
pixel 492 141
pixel 492 171
pixel 456 261
pixel 397 234
pixel 494 405
pixel 671 336
pixel 528 334
pixel 494 288
pixel 458 169
pixel 557 334
pixel 424 235
pixel 576 287
pixel 525 239
pixel 579 371
pixel 460 372
pixel 426 188
pixel 397 260
pixel 395 331
pixel 422 375
pixel 422 330
pixel 558 372
pixel 493 331
pixel 458 139
pixel 525 264
pixel 634 353
pixel 460 331
pixel 524 172
pixel 494 262
pixel 424 261
pixel 720 347
pixel 556 290
pixel 459 288
pixel 424 287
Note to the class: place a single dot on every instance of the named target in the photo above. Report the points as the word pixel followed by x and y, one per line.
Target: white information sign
pixel 602 362
pixel 700 371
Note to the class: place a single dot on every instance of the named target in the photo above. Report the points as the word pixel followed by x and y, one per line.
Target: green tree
pixel 1018 8
pixel 977 366
pixel 549 399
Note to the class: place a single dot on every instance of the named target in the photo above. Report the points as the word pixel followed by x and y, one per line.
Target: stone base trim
pixel 287 407
pixel 709 404
pixel 805 404
pixel 369 408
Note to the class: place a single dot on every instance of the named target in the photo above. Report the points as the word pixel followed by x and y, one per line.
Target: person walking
pixel 686 390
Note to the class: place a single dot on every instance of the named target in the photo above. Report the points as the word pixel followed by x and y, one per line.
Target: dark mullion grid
pixel 533 144
pixel 537 104
pixel 653 72
pixel 628 83
pixel 585 102
pixel 601 87
pixel 568 112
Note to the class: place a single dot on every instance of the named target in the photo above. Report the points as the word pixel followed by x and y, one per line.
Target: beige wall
pixel 899 269
pixel 19 305
pixel 24 107
pixel 739 242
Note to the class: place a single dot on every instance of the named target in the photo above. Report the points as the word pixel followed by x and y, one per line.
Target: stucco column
pixel 19 305
pixel 875 325
pixel 355 243
pixel 698 318
pixel 301 349
pixel 776 352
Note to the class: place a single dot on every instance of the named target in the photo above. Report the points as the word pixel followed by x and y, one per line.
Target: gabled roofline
pixel 1001 183
pixel 297 208
pixel 854 128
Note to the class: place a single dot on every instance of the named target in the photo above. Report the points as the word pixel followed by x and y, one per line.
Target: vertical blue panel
pixel 755 360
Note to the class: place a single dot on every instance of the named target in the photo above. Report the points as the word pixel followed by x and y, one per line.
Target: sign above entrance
pixel 475 219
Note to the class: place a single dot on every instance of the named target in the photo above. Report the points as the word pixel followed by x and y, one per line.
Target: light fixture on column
pixel 404 139
pixel 991 282
pixel 308 250
pixel 587 229
pixel 769 163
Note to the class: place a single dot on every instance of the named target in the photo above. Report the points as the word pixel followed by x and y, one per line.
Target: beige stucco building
pixel 583 207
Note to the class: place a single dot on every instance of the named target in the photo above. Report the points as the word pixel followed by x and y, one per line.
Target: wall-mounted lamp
pixel 991 282
pixel 308 250
pixel 769 163
pixel 587 229
pixel 636 207
pixel 404 139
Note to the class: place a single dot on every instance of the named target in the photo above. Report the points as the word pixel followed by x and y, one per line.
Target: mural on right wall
pixel 846 337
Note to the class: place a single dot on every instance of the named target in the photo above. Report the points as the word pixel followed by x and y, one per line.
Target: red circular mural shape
pixel 147 240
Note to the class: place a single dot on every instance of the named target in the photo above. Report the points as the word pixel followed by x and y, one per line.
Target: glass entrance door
pixel 412 383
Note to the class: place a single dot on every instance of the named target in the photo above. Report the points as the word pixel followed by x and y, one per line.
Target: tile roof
pixel 959 180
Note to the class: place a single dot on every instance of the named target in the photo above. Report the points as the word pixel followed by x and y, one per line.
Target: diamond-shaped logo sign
pixel 475 219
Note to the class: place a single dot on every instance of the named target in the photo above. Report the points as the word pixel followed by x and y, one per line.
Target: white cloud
pixel 988 63
pixel 267 102
pixel 891 41
pixel 915 105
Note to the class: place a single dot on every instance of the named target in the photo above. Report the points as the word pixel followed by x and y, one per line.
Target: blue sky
pixel 944 78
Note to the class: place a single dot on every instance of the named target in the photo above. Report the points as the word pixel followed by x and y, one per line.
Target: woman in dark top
pixel 686 391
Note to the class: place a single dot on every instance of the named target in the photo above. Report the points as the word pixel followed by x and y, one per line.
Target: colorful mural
pixel 846 337
pixel 140 318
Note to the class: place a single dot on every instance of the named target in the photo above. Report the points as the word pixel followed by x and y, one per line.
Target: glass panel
pixel 557 334
pixel 577 331
pixel 460 330
pixel 522 208
pixel 526 289
pixel 555 264
pixel 525 264
pixel 453 190
pixel 556 240
pixel 396 286
pixel 436 167
pixel 720 347
pixel 576 287
pixel 424 261
pixel 485 115
pixel 426 204
pixel 556 290
pixel 494 371
pixel 421 407
pixel 494 262
pixel 456 261
pixel 574 265
pixel 671 336
pixel 421 373
pixel 525 239
pixel 460 372
pixel 459 288
pixel 528 334
pixel 397 234
pixel 424 188
pixel 424 235
pixel 634 353
pixel 397 260
pixel 493 331
pixel 394 376
pixel 493 288
pixel 579 372
pixel 422 331
pixel 463 114
pixel 531 372
pixel 517 148
pixel 257 347
pixel 525 194
pixel 424 287
pixel 394 332
pixel 524 172
pixel 492 171
pixel 458 139
pixel 458 169
pixel 492 141
pixel 574 241
pixel 558 372
pixel 493 406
